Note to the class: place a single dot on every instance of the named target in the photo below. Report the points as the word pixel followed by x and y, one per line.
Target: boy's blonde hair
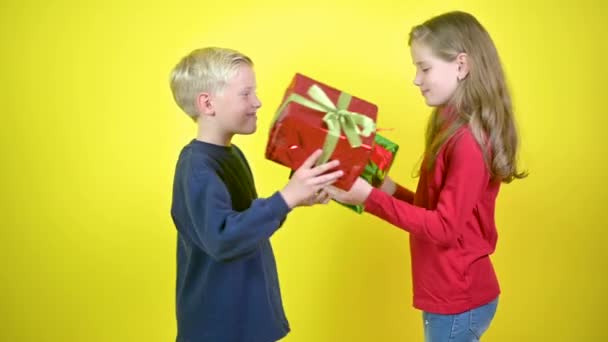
pixel 203 70
pixel 481 100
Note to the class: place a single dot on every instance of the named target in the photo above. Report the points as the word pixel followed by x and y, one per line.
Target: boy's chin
pixel 248 130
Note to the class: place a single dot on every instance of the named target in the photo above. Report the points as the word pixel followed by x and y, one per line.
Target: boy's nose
pixel 256 102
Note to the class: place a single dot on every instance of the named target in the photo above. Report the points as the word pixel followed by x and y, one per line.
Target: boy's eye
pixel 425 69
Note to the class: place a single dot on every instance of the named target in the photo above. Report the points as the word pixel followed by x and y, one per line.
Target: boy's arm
pixel 202 208
pixel 221 231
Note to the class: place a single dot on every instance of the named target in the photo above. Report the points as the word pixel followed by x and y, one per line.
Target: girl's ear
pixel 462 60
pixel 204 104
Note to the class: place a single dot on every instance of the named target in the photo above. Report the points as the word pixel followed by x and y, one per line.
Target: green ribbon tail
pixel 331 141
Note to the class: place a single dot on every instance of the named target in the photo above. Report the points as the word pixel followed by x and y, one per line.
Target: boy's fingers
pixel 325 167
pixel 311 160
pixel 328 183
pixel 333 191
pixel 320 196
pixel 328 178
pixel 325 199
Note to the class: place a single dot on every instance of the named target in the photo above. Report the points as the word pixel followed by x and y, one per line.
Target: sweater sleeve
pixel 221 231
pixel 465 178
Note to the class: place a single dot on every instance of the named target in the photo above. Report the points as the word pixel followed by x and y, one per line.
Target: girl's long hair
pixel 481 100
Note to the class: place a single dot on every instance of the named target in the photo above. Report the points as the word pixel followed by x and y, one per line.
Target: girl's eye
pixel 426 69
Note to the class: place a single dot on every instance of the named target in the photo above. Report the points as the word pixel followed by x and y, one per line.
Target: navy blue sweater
pixel 227 286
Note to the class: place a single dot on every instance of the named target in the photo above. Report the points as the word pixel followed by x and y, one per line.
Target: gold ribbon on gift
pixel 337 118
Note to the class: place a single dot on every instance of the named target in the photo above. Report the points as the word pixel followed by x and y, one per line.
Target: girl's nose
pixel 417 81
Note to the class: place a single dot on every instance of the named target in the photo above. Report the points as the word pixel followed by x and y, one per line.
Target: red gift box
pixel 305 122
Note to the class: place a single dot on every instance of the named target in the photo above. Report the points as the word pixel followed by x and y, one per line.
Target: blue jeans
pixel 464 327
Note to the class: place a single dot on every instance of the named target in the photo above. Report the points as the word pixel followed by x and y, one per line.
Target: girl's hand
pixel 355 196
pixel 388 186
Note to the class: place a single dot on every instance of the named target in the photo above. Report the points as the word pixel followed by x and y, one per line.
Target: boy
pixel 227 285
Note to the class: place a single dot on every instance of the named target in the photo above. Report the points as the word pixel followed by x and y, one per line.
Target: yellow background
pixel 90 136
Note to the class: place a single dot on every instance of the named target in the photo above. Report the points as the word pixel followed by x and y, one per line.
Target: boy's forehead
pixel 243 76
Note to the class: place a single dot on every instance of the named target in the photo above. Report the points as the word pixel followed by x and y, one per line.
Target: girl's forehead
pixel 421 53
pixel 420 48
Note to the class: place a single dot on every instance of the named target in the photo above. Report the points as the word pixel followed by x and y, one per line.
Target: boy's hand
pixel 321 197
pixel 355 196
pixel 306 184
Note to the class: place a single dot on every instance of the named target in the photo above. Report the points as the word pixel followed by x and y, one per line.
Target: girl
pixel 471 144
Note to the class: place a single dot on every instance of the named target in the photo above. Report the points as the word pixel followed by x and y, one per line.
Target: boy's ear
pixel 204 105
pixel 463 65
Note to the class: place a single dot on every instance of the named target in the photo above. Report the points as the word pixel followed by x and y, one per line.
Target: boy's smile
pixel 237 105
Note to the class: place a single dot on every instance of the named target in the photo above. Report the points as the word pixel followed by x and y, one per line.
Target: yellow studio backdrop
pixel 90 135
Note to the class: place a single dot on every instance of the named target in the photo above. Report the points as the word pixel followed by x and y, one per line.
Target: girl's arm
pixel 399 192
pixel 466 177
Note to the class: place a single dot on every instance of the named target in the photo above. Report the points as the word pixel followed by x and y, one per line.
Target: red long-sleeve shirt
pixel 450 219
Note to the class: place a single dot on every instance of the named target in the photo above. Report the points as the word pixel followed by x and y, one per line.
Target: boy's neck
pixel 209 134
